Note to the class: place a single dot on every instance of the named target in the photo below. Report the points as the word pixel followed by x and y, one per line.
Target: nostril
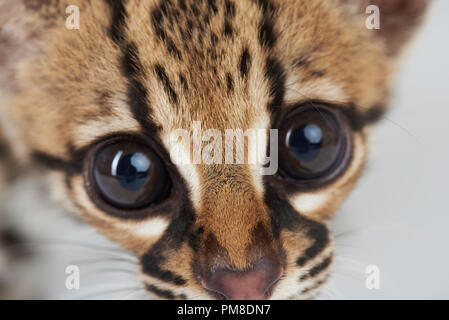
pixel 254 284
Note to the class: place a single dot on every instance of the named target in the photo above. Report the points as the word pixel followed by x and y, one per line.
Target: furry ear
pixel 398 19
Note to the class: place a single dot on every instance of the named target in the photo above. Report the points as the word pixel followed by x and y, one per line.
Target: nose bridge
pixel 235 216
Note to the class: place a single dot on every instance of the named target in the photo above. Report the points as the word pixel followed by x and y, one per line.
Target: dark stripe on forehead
pixel 229 82
pixel 267 36
pixel 173 49
pixel 118 20
pixel 266 5
pixel 229 9
pixel 157 19
pixel 137 93
pixel 213 6
pixel 166 83
pixel 245 63
pixel 276 75
pixel 131 67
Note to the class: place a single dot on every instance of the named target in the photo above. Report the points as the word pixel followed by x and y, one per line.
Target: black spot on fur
pixel 195 10
pixel 322 266
pixel 118 20
pixel 267 6
pixel 301 62
pixel 320 235
pixel 194 239
pixel 317 73
pixel 184 83
pixel 151 266
pixel 313 287
pixel 213 39
pixel 171 47
pixel 189 25
pixel 245 63
pixel 213 6
pixel 131 64
pixel 229 82
pixel 166 294
pixel 182 5
pixel 266 34
pixel 157 20
pixel 228 29
pixel 206 19
pixel 163 77
pixel 275 73
pixel 229 9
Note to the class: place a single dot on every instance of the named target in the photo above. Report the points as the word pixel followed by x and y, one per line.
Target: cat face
pixel 99 107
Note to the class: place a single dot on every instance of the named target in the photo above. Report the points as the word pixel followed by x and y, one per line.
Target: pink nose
pixel 255 284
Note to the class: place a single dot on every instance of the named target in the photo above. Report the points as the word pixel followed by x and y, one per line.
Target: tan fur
pixel 71 91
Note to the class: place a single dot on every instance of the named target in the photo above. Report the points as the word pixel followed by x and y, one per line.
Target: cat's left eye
pixel 314 144
pixel 129 175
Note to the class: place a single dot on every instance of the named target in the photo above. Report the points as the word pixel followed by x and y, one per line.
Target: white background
pixel 398 216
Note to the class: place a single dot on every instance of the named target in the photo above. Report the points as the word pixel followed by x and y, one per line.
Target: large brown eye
pixel 313 144
pixel 129 175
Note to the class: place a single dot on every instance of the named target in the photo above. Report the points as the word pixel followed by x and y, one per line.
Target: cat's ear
pixel 398 19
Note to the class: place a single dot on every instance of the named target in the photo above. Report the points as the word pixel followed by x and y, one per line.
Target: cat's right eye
pixel 129 175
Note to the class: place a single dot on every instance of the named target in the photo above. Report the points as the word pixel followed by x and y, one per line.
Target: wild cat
pixel 97 106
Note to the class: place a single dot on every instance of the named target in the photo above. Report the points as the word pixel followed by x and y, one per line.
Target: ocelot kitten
pixel 96 106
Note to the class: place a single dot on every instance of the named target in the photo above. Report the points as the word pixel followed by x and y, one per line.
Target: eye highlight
pixel 129 175
pixel 314 144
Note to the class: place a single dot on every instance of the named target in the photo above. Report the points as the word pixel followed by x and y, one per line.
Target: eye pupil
pixel 131 170
pixel 313 144
pixel 129 175
pixel 306 141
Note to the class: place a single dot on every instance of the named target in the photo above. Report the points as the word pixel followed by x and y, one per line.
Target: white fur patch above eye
pixel 320 89
pixel 90 130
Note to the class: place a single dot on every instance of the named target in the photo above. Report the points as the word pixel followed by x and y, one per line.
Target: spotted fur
pixel 149 67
